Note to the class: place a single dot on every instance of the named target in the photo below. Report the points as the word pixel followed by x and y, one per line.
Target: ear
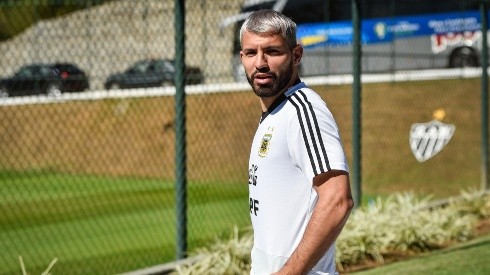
pixel 297 54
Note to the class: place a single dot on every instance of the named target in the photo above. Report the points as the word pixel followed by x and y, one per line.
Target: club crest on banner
pixel 428 139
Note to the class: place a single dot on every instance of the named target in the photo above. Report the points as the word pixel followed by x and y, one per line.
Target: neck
pixel 266 102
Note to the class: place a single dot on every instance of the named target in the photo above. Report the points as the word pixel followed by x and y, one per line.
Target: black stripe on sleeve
pixel 298 110
pixel 322 151
pixel 311 133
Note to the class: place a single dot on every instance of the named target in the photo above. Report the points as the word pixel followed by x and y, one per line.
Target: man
pixel 298 176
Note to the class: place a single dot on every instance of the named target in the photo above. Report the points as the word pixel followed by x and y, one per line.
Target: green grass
pixel 467 258
pixel 395 228
pixel 126 221
pixel 103 225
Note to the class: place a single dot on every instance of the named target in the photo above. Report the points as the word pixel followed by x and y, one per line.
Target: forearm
pixel 328 218
pixel 316 240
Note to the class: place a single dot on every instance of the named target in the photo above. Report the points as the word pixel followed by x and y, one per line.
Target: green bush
pixel 16 16
pixel 402 223
pixel 223 257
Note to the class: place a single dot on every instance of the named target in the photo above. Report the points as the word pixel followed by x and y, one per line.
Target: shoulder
pixel 302 94
pixel 310 108
pixel 304 99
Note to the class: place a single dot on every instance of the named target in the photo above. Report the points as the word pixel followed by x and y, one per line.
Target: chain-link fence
pixel 87 164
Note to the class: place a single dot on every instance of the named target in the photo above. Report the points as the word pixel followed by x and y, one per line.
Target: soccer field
pixel 50 207
pixel 96 225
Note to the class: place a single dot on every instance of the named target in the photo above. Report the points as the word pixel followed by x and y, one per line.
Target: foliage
pixel 402 223
pixel 46 272
pixel 469 203
pixel 16 16
pixel 469 257
pixel 230 257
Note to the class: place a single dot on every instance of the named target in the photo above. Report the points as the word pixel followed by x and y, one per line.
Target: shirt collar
pixel 281 98
pixel 294 88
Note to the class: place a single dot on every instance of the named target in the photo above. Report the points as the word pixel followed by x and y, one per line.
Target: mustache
pixel 266 74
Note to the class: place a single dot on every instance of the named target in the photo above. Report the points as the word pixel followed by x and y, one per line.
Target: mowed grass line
pixel 468 258
pixel 97 225
pixel 103 225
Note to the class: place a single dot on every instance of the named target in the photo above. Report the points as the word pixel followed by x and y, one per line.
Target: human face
pixel 269 63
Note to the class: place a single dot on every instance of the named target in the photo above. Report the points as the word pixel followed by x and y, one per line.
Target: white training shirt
pixel 296 140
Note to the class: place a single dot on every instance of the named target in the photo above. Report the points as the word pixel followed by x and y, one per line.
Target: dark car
pixel 49 79
pixel 152 73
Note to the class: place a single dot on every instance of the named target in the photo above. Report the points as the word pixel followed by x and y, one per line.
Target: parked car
pixel 151 73
pixel 49 79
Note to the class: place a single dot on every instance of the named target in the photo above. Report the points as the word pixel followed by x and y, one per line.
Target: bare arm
pixel 329 216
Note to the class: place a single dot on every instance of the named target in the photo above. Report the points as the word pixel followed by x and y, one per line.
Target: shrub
pixel 400 224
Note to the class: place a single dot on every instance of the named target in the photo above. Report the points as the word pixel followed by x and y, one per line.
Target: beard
pixel 279 83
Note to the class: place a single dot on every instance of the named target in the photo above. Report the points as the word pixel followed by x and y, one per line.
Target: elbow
pixel 349 205
pixel 346 205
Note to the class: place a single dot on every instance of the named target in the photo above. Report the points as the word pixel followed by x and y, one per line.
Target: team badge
pixel 264 145
pixel 428 139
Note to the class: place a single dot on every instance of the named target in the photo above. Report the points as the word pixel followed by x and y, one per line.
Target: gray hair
pixel 270 22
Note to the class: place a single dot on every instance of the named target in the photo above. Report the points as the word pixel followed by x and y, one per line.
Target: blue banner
pixel 379 30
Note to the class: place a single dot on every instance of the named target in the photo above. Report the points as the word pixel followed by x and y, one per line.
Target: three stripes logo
pixel 428 139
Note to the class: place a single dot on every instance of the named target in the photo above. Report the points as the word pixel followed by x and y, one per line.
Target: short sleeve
pixel 314 140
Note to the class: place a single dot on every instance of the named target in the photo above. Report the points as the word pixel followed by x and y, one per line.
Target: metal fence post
pixel 356 104
pixel 180 131
pixel 484 94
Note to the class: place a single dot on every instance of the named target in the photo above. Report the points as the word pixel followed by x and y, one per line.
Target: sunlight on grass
pixel 401 223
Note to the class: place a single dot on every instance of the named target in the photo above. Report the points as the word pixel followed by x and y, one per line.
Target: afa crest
pixel 264 145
